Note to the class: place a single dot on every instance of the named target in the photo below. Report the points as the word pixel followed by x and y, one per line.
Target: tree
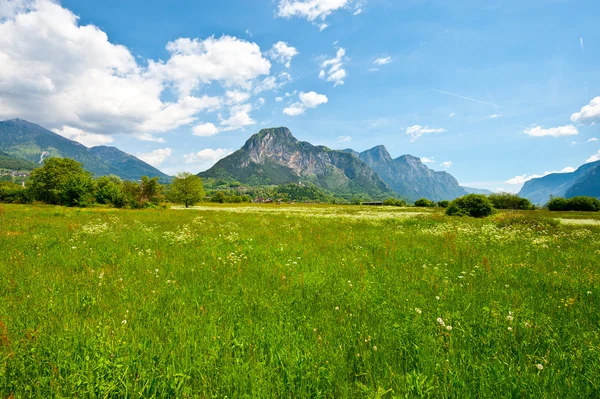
pixel 150 190
pixel 424 203
pixel 109 190
pixel 474 205
pixel 186 189
pixel 62 181
pixel 509 201
pixel 219 197
pixel 443 204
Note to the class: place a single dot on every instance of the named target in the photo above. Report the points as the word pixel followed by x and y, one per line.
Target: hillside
pixel 10 162
pixel 275 156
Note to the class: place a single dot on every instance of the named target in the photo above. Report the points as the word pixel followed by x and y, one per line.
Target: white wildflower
pixel 419 311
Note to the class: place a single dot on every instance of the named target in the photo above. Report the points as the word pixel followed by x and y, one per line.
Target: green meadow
pixel 297 301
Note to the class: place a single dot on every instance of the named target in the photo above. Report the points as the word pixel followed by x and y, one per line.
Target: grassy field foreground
pixel 296 301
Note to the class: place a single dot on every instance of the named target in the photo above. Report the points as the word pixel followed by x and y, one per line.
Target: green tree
pixel 186 189
pixel 424 203
pixel 219 197
pixel 509 201
pixel 474 205
pixel 109 190
pixel 62 181
pixel 150 190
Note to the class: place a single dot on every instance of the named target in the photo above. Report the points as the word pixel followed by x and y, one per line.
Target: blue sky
pixel 493 92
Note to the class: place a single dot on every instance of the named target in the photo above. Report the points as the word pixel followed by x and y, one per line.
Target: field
pixel 297 301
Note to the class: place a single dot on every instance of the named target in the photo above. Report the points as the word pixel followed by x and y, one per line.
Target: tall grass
pixel 230 301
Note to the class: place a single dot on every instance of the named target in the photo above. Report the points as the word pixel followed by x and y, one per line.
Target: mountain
pixel 471 190
pixel 409 177
pixel 31 142
pixel 275 156
pixel 13 163
pixel 584 181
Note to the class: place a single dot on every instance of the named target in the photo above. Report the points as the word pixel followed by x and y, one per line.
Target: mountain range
pixel 27 141
pixel 584 181
pixel 275 156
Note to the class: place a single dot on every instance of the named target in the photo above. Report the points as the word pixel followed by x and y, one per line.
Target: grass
pixel 296 301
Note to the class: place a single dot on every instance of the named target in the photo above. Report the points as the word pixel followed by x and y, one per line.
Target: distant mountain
pixel 31 142
pixel 275 156
pixel 409 177
pixel 13 163
pixel 471 190
pixel 584 181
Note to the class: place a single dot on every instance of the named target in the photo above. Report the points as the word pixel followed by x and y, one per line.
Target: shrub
pixel 394 202
pixel 557 204
pixel 509 201
pixel 218 197
pixel 424 203
pixel 233 199
pixel 474 205
pixel 581 204
pixel 443 204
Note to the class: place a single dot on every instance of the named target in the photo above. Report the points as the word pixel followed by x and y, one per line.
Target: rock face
pixel 31 142
pixel 584 181
pixel 410 178
pixel 471 190
pixel 275 156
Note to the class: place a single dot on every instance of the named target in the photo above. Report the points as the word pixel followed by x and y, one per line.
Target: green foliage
pixel 532 220
pixel 443 204
pixel 11 193
pixel 394 202
pixel 109 190
pixel 424 203
pixel 186 189
pixel 219 197
pixel 62 181
pixel 474 205
pixel 582 204
pixel 13 163
pixel 509 201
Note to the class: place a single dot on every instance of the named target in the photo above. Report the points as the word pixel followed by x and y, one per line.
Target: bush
pixel 424 203
pixel 218 197
pixel 581 204
pixel 474 205
pixel 233 199
pixel 509 201
pixel 394 202
pixel 443 204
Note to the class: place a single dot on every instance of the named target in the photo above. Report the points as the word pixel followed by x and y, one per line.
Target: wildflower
pixel 509 318
pixel 124 322
pixel 441 321
pixel 449 328
pixel 156 270
pixel 527 325
pixel 337 308
pixel 509 328
pixel 539 366
pixel 437 298
pixel 589 292
pixel 419 311
pixel 374 347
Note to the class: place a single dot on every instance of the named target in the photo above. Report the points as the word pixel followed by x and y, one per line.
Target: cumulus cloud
pixel 525 178
pixel 310 9
pixel 273 83
pixel 156 157
pixel 589 114
pixel 427 160
pixel 358 12
pixel 417 131
pixel 332 70
pixel 83 137
pixel 207 155
pixel 594 158
pixel 307 100
pixel 592 140
pixel 205 130
pixel 446 165
pixel 383 61
pixel 344 139
pixel 283 53
pixel 150 137
pixel 63 74
pixel 538 131
pixel 239 118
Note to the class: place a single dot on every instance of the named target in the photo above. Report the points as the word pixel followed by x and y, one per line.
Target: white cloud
pixel 417 131
pixel 373 69
pixel 383 61
pixel 62 74
pixel 279 99
pixel 592 140
pixel 307 100
pixel 239 118
pixel 310 9
pixel 344 139
pixel 205 130
pixel 494 116
pixel 594 158
pixel 525 178
pixel 538 131
pixel 358 12
pixel 322 27
pixel 236 97
pixel 294 109
pixel 581 44
pixel 273 83
pixel 589 114
pixel 313 99
pixel 427 160
pixel 207 155
pixel 283 53
pixel 336 72
pixel 83 137
pixel 150 137
pixel 452 114
pixel 156 157
pixel 446 165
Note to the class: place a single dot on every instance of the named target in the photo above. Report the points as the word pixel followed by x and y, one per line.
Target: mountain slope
pixel 275 156
pixel 31 142
pixel 13 163
pixel 410 178
pixel 587 185
pixel 471 190
pixel 539 190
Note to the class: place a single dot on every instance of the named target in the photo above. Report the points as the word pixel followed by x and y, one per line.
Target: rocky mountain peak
pixel 377 154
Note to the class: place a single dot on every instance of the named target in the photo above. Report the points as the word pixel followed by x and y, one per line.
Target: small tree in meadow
pixel 474 205
pixel 186 189
pixel 424 203
pixel 62 181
